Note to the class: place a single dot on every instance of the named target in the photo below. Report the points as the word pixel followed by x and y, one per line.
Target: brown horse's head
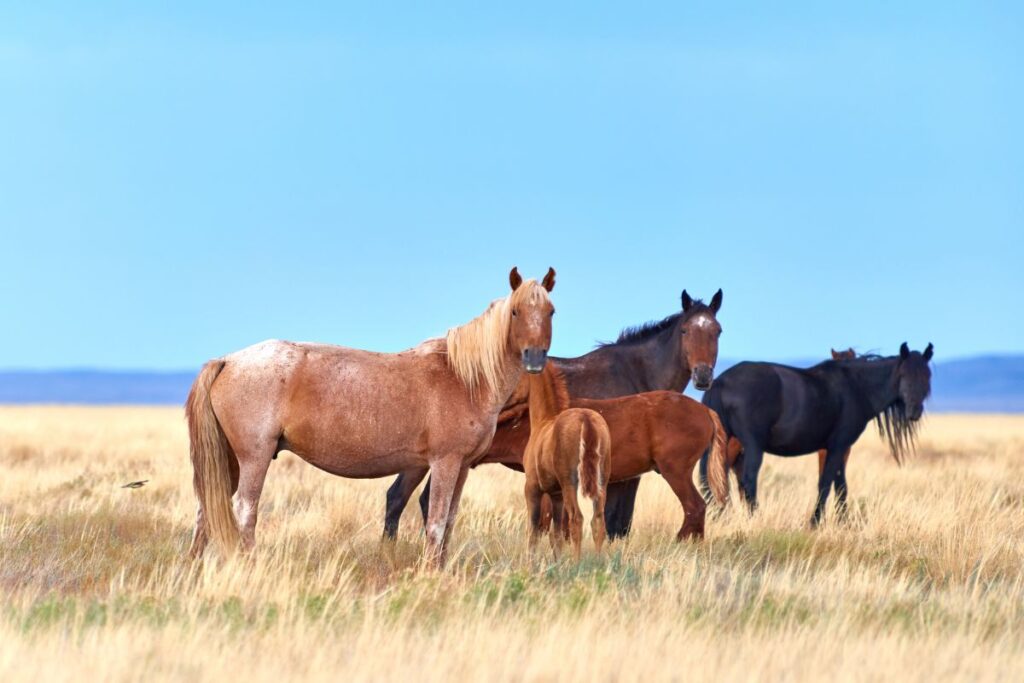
pixel 698 333
pixel 848 354
pixel 914 379
pixel 531 310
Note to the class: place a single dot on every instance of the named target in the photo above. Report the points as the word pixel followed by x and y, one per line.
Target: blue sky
pixel 178 183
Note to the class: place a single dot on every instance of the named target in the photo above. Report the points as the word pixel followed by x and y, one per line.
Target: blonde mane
pixel 476 350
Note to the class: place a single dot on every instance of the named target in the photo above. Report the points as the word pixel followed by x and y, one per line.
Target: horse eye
pixel 552 312
pixel 682 331
pixel 514 312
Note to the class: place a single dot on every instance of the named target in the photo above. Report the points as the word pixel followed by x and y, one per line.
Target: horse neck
pixel 508 379
pixel 543 398
pixel 658 363
pixel 876 381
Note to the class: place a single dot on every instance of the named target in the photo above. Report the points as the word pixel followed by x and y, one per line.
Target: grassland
pixel 923 582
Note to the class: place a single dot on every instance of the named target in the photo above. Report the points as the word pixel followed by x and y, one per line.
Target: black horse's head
pixel 914 380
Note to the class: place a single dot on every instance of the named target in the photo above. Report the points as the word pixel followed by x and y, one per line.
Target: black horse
pixel 656 356
pixel 793 411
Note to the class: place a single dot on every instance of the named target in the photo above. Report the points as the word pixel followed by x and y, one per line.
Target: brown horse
pixel 567 447
pixel 360 414
pixel 658 430
pixel 735 458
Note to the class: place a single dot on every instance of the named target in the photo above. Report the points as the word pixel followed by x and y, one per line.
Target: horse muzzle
pixel 703 375
pixel 534 360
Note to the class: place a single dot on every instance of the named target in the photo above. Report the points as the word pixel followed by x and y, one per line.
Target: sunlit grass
pixel 923 580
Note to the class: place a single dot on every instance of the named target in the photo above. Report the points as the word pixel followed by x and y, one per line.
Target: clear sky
pixel 179 182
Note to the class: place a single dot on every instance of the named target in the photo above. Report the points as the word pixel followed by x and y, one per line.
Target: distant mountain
pixel 95 386
pixel 979 384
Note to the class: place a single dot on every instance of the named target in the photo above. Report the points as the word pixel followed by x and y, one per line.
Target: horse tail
pixel 211 453
pixel 590 457
pixel 718 472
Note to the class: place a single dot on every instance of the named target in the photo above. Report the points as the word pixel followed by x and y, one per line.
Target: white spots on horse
pixel 702 320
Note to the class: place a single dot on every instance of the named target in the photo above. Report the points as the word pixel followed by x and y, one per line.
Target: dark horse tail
pixel 592 452
pixel 211 453
pixel 718 467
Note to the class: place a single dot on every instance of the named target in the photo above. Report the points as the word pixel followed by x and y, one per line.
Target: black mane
pixel 641 333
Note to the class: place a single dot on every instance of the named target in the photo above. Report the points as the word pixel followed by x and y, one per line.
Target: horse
pixel 360 414
pixel 794 411
pixel 660 355
pixel 569 451
pixel 735 458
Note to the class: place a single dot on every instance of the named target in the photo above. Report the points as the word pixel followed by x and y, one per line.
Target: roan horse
pixel 659 355
pixel 735 458
pixel 793 411
pixel 569 451
pixel 360 414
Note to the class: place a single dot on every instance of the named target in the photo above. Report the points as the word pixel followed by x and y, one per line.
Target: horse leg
pixel 680 478
pixel 453 508
pixel 425 502
pixel 398 497
pixel 252 473
pixel 618 511
pixel 445 474
pixel 840 486
pixel 752 458
pixel 833 462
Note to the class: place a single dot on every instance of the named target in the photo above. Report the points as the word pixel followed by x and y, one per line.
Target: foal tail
pixel 593 449
pixel 211 453
pixel 718 467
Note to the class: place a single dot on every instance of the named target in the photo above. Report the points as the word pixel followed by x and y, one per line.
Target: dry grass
pixel 923 582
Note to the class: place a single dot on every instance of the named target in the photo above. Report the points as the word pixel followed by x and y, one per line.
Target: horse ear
pixel 549 279
pixel 904 350
pixel 929 351
pixel 835 354
pixel 515 279
pixel 716 301
pixel 687 301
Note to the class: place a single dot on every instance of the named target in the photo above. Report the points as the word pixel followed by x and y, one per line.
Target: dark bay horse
pixel 569 452
pixel 360 414
pixel 661 355
pixel 794 411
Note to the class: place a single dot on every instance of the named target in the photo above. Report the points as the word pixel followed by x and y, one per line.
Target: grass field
pixel 923 582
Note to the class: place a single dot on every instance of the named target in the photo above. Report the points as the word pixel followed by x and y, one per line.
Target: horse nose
pixel 702 376
pixel 534 360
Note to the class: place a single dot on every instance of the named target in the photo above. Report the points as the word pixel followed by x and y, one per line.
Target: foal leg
pixel 575 517
pixel 679 474
pixel 597 528
pixel 534 508
pixel 560 526
pixel 398 497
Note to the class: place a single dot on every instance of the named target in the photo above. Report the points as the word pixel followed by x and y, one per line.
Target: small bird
pixel 135 484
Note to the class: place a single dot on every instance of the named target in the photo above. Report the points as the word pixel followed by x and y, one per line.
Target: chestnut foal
pixel 568 448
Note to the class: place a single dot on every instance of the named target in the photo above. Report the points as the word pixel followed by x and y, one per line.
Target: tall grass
pixel 923 581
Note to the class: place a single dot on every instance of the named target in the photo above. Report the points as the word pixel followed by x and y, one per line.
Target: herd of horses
pixel 589 426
